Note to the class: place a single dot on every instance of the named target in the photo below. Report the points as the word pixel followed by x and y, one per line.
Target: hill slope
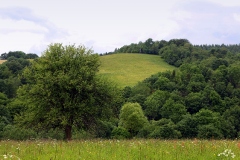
pixel 127 69
pixel 2 61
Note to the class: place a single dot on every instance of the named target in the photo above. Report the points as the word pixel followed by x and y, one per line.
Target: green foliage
pixel 146 130
pixel 16 107
pixel 154 103
pixel 147 47
pixel 17 133
pixel 9 80
pixel 218 62
pixel 52 133
pixel 234 75
pixel 173 110
pixel 209 131
pixel 212 100
pixel 63 90
pixel 104 129
pixel 15 65
pixel 139 93
pixel 232 116
pixel 120 133
pixel 208 124
pixel 4 71
pixel 5 116
pixel 194 101
pixel 164 129
pixel 127 91
pixel 205 116
pixel 175 53
pixel 132 118
pixel 188 126
pixel 18 54
pixel 10 86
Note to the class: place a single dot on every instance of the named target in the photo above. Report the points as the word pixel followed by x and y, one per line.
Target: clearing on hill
pixel 126 69
pixel 2 61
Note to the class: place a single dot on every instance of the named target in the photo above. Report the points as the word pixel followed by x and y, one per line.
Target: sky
pixel 103 25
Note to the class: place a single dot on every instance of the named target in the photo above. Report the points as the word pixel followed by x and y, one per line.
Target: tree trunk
pixel 68 133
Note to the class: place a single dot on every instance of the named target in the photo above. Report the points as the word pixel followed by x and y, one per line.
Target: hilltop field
pixel 126 69
pixel 1 61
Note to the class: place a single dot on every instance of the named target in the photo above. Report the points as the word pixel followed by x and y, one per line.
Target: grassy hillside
pixel 1 61
pixel 128 69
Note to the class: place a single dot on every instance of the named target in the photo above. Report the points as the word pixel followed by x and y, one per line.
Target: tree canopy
pixel 63 90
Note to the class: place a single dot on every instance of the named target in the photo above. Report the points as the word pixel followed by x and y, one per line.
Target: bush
pixel 120 133
pixel 165 129
pixel 145 131
pixel 82 134
pixel 104 129
pixel 132 118
pixel 15 133
pixel 209 131
pixel 165 132
pixel 51 134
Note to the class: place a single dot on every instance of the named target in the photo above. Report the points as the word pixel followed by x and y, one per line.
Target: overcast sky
pixel 103 25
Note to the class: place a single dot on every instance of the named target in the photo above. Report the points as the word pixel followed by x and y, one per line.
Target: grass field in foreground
pixel 121 150
pixel 127 69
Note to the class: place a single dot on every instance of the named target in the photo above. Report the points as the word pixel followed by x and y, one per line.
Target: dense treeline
pixel 195 101
pixel 233 48
pixel 18 54
pixel 200 99
pixel 154 47
pixel 10 81
pixel 147 47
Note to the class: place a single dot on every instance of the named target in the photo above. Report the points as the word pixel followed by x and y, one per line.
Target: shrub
pixel 15 133
pixel 132 118
pixel 165 129
pixel 120 133
pixel 209 131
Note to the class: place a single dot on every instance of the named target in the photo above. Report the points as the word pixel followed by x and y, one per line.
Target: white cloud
pixel 208 23
pixel 20 41
pixel 22 30
pixel 236 17
pixel 20 26
pixel 228 3
pixel 105 25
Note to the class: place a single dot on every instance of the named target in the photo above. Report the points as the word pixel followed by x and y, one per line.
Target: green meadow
pixel 121 150
pixel 127 69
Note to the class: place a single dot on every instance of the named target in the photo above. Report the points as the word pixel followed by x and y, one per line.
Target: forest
pixel 199 99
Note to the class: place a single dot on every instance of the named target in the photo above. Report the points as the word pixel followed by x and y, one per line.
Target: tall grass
pixel 117 150
pixel 127 69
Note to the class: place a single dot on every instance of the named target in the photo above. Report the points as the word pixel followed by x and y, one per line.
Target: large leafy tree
pixel 63 90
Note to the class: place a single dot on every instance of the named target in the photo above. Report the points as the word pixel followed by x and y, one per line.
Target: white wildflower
pixel 5 156
pixel 227 153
